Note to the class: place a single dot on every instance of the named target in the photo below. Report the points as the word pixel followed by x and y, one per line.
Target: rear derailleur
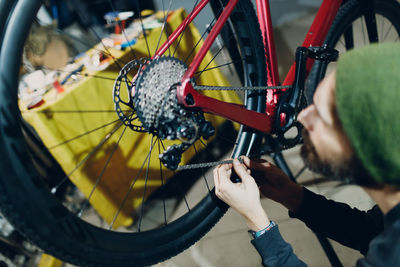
pixel 183 125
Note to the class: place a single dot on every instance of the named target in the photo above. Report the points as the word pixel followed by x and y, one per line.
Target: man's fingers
pixel 216 180
pixel 240 170
pixel 256 164
pixel 225 166
pixel 223 173
pixel 221 180
pixel 255 160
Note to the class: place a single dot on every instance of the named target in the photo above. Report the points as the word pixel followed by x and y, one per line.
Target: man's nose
pixel 306 117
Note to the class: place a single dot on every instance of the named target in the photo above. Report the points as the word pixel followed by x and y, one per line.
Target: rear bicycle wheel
pixel 351 29
pixel 78 180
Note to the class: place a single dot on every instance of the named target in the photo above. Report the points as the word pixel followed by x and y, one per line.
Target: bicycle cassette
pixel 155 92
pixel 158 109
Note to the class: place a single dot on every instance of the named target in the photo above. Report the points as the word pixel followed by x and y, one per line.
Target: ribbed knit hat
pixel 368 105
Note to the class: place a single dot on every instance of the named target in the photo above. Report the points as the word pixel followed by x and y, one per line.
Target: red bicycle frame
pixel 263 122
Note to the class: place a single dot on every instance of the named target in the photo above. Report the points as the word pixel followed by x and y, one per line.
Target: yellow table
pixel 92 94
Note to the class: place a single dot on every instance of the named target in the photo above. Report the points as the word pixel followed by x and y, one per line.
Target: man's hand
pixel 244 196
pixel 275 184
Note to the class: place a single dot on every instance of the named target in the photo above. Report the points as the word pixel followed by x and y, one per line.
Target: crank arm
pixel 291 102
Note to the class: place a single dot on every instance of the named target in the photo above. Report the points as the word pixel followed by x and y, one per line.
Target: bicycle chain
pixel 206 164
pixel 239 88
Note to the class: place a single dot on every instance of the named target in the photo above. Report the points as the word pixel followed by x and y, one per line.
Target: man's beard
pixel 347 171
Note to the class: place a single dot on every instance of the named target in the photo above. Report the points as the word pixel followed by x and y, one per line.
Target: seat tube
pixel 264 19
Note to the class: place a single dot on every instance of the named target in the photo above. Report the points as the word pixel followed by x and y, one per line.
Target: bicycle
pixel 34 186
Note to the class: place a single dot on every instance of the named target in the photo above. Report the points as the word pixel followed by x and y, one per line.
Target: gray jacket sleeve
pixel 275 251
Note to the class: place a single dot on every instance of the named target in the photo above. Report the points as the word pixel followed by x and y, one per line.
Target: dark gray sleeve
pixel 338 221
pixel 275 251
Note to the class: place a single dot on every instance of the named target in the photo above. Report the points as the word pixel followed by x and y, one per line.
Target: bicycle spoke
pixel 79 40
pixel 300 172
pixel 123 31
pixel 184 29
pixel 362 30
pixel 387 33
pixel 77 111
pixel 207 30
pixel 80 74
pixel 206 148
pixel 204 176
pixel 382 26
pixel 105 48
pixel 227 139
pixel 216 54
pixel 83 134
pixel 89 46
pixel 200 39
pixel 184 197
pixel 101 173
pixel 88 156
pixel 130 189
pixel 162 184
pixel 163 27
pixel 100 40
pixel 83 16
pixel 97 147
pixel 145 184
pixel 143 30
pixel 216 67
pixel 180 188
pixel 342 42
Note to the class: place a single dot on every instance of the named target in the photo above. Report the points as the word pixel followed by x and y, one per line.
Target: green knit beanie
pixel 368 105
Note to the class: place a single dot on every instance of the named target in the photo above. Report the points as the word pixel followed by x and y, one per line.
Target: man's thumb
pixel 240 170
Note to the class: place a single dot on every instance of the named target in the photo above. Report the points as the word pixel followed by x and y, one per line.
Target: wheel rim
pixel 125 240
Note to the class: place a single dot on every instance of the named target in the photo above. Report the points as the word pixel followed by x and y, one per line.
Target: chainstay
pixel 239 88
pixel 226 88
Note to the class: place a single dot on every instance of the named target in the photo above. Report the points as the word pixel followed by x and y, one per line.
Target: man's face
pixel 326 148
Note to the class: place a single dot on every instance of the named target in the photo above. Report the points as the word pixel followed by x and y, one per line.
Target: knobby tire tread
pixel 345 16
pixel 12 206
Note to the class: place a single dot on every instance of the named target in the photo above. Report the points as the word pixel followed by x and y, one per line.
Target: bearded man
pixel 352 134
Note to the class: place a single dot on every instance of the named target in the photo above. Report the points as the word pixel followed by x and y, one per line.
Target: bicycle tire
pixel 5 10
pixel 348 15
pixel 29 205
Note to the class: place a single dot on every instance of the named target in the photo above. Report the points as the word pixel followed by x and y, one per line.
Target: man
pixel 351 133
